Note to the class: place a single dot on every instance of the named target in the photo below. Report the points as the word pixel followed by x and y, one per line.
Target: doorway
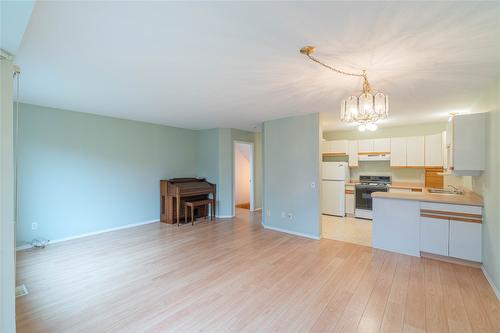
pixel 243 176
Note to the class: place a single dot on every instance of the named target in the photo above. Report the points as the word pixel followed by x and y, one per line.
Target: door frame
pixel 252 183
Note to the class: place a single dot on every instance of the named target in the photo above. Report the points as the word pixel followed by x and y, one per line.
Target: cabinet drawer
pixel 475 210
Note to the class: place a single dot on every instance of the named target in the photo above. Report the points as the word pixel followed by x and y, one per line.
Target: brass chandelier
pixel 364 109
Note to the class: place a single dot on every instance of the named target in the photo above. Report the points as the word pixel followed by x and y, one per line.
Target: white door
pixel 434 235
pixel 398 152
pixel 382 145
pixel 325 146
pixel 415 151
pixel 353 153
pixel 365 146
pixel 334 170
pixel 449 145
pixel 444 151
pixel 333 197
pixel 434 150
pixel 335 147
pixel 465 240
pixel 338 146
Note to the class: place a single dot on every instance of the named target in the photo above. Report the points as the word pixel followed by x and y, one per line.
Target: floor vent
pixel 21 291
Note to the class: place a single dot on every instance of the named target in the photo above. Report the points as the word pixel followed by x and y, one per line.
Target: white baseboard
pixel 257 209
pixel 490 281
pixel 290 232
pixel 23 247
pixel 224 216
pixel 28 246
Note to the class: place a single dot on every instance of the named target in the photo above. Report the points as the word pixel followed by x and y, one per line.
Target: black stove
pixel 364 190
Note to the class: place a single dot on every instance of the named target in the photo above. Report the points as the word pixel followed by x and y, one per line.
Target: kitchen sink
pixel 444 191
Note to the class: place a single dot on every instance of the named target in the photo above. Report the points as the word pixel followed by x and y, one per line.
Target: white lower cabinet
pixel 451 230
pixel 349 204
pixel 434 235
pixel 350 199
pixel 465 240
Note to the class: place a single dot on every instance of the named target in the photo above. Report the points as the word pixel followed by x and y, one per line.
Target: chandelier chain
pixel 366 84
pixel 335 69
pixel 365 109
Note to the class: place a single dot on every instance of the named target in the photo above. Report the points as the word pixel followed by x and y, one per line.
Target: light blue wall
pixel 209 158
pixel 209 154
pixel 217 164
pixel 7 218
pixel 258 171
pixel 80 173
pixel 488 184
pixel 291 164
pixel 224 188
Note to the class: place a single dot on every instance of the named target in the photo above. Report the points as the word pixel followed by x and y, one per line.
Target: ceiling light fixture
pixel 364 109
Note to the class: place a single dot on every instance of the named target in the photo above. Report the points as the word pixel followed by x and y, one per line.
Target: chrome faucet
pixel 456 190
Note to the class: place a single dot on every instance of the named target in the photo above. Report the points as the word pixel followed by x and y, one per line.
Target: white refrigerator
pixel 334 177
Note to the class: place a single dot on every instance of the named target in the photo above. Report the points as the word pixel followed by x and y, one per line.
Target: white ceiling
pixel 236 64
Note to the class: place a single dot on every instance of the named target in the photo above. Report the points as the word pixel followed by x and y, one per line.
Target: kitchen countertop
pixel 469 198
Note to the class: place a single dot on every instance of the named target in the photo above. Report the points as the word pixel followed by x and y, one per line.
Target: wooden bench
pixel 193 204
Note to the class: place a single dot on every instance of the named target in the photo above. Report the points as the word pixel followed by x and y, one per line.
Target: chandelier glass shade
pixel 365 109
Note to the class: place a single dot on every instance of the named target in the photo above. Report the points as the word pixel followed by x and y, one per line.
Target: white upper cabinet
pixel 466 143
pixel 365 146
pixel 415 151
pixel 352 151
pixel 325 146
pixel 398 152
pixel 374 146
pixel 382 145
pixel 444 150
pixel 434 150
pixel 335 146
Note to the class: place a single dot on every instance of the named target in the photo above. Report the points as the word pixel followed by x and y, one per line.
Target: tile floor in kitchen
pixel 347 229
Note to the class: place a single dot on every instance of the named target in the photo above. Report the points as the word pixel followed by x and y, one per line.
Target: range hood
pixel 374 157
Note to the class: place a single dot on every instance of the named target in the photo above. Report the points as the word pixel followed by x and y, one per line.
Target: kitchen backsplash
pixel 382 168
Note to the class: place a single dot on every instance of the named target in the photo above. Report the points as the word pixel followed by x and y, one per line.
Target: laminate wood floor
pixel 234 276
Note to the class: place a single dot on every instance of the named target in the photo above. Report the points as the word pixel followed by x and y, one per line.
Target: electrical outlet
pixel 34 226
pixel 290 216
pixel 313 184
pixel 283 215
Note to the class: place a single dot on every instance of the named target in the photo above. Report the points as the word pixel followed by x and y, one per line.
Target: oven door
pixel 364 195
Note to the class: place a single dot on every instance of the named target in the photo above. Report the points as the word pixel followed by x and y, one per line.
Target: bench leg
pixel 192 215
pixel 185 213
